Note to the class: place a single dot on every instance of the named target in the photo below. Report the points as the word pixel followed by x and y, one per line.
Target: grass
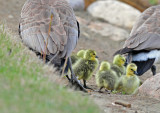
pixel 153 2
pixel 24 89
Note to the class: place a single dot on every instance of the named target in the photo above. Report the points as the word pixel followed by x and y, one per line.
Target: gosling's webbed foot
pixel 99 90
pixel 108 91
pixel 85 86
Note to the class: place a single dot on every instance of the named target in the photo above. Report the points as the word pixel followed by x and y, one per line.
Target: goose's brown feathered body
pixel 145 31
pixel 50 27
pixel 34 27
pixel 144 38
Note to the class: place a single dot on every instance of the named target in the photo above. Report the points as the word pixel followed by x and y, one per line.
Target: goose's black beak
pixel 97 57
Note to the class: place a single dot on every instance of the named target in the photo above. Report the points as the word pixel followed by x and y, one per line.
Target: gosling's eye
pixel 132 70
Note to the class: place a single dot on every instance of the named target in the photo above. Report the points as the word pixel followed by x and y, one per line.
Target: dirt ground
pixel 105 47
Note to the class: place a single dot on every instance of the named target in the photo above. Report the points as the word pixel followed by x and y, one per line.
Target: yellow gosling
pixel 106 77
pixel 118 65
pixel 130 82
pixel 75 57
pixel 85 67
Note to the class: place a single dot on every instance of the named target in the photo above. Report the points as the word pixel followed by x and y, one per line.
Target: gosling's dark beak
pixel 97 57
pixel 135 72
pixel 125 64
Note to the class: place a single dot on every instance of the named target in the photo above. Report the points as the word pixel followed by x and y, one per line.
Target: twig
pixel 123 104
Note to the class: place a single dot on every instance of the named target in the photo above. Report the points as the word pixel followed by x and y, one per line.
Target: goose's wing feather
pixel 145 34
pixel 34 26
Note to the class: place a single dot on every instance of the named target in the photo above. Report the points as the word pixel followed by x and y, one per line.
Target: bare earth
pixel 105 47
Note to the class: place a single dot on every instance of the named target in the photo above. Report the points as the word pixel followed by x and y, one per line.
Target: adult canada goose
pixel 50 27
pixel 142 46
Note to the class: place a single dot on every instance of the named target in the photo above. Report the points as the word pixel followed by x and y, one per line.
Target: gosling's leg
pixel 85 86
pixel 68 78
pixel 100 89
pixel 153 69
pixel 74 79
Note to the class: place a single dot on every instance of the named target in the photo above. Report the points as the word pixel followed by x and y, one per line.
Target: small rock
pixel 114 12
pixel 151 87
pixel 104 29
pixel 80 4
pixel 10 16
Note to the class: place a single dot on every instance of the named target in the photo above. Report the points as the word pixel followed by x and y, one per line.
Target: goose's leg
pixel 153 69
pixel 85 86
pixel 74 78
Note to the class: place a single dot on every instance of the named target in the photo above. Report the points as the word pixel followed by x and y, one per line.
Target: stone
pixel 151 87
pixel 104 29
pixel 77 4
pixel 110 31
pixel 114 12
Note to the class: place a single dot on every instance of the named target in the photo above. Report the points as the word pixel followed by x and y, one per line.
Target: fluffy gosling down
pixel 118 65
pixel 85 67
pixel 130 82
pixel 75 57
pixel 106 77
